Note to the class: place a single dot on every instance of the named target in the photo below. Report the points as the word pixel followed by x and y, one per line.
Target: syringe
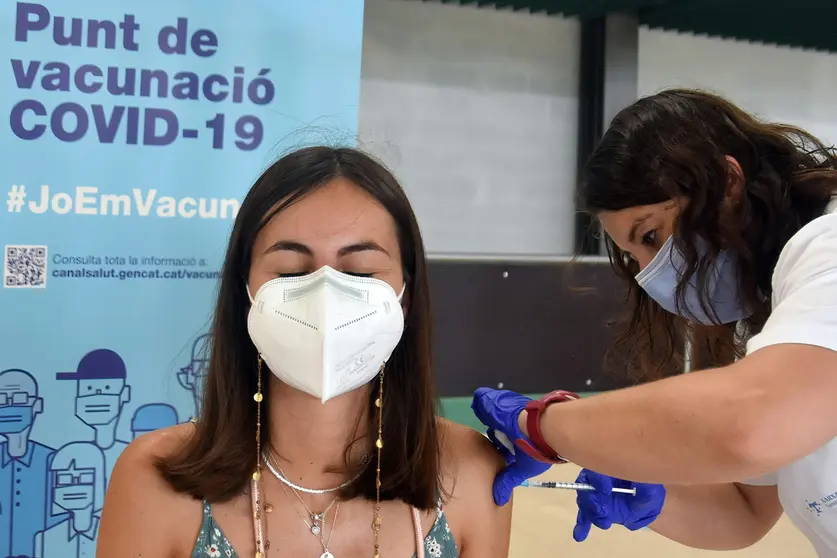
pixel 574 486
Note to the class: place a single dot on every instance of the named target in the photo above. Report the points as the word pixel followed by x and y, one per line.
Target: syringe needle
pixel 573 486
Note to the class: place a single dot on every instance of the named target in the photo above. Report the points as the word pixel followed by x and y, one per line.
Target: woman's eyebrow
pixel 360 247
pixel 290 246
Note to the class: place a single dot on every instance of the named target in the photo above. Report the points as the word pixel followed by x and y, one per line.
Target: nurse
pixel 713 218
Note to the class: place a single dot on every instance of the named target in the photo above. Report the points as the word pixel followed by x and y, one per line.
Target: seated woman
pixel 318 433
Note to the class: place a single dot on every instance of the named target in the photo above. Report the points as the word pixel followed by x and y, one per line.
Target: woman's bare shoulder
pixel 469 465
pixel 141 506
pixel 161 443
pixel 139 461
pixel 142 455
pixel 468 458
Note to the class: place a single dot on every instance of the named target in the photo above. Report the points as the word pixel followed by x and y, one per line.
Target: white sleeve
pixel 804 290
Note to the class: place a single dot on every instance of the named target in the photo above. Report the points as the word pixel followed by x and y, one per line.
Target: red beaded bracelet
pixel 536 447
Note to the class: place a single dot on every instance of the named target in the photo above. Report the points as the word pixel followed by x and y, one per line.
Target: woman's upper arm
pixel 483 528
pixel 143 516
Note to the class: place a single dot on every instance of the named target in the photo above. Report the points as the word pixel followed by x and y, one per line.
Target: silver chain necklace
pixel 318 522
pixel 284 480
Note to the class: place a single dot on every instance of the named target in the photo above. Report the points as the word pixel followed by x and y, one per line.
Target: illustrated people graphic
pixel 101 393
pixel 152 416
pixel 192 376
pixel 24 463
pixel 78 477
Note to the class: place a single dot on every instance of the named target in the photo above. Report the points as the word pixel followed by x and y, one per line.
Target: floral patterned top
pixel 212 543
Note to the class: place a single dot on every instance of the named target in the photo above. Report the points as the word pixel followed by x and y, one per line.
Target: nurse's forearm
pixel 706 427
pixel 718 516
pixel 676 431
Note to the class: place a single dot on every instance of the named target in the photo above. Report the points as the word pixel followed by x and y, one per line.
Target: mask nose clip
pixel 252 300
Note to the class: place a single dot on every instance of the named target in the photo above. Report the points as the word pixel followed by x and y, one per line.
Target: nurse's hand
pixel 604 508
pixel 499 410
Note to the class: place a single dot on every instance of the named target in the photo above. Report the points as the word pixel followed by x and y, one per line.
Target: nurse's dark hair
pixel 217 461
pixel 674 144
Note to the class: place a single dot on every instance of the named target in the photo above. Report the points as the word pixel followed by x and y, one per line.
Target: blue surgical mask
pixel 16 418
pixel 98 409
pixel 659 279
pixel 72 498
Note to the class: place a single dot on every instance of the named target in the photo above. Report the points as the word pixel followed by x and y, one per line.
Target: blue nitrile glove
pixel 499 410
pixel 604 508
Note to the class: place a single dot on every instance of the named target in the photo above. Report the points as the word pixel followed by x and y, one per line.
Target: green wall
pixel 458 409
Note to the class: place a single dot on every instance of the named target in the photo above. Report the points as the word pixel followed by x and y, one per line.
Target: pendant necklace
pixel 318 522
pixel 317 519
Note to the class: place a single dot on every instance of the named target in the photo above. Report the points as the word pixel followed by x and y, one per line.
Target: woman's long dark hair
pixel 218 459
pixel 674 144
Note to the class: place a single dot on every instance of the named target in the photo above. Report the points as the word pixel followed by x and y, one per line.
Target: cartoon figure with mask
pixel 23 465
pixel 101 393
pixel 78 475
pixel 152 416
pixel 191 377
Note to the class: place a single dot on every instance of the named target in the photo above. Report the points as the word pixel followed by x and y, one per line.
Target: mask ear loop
pixel 400 295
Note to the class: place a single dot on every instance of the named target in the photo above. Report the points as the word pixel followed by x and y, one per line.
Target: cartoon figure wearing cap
pixel 24 463
pixel 152 416
pixel 101 393
pixel 191 377
pixel 78 477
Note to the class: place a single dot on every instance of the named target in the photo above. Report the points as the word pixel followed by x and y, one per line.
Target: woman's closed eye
pixel 304 273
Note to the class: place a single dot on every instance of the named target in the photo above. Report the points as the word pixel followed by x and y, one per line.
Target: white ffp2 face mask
pixel 326 333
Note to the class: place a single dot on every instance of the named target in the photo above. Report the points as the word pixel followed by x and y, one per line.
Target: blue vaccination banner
pixel 131 132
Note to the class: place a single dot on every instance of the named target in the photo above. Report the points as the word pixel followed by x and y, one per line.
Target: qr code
pixel 25 267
